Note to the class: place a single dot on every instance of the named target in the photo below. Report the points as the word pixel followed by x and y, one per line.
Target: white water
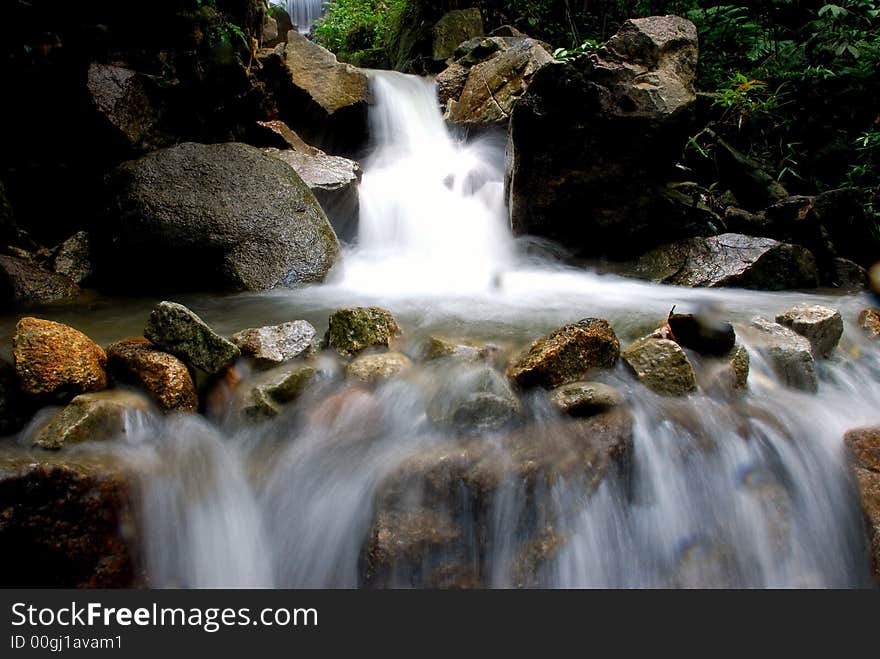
pixel 303 13
pixel 746 490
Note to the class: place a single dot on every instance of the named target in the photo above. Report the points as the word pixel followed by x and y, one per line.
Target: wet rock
pixel 373 369
pixel 585 398
pixel 275 344
pixel 591 140
pixel 56 361
pixel 333 180
pixel 566 354
pixel 702 332
pixel 88 418
pixel 730 260
pixel 66 523
pixel 790 355
pixel 439 348
pixel 355 329
pixel 177 330
pixel 822 326
pixel 453 28
pixel 492 87
pixel 23 282
pixel 267 394
pixel 324 100
pixel 661 365
pixel 474 399
pixel 124 98
pixel 739 363
pixel 869 321
pixel 138 362
pixel 864 447
pixel 218 214
pixel 845 274
pixel 73 258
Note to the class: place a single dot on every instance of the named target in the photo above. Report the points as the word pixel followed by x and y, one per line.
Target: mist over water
pixel 725 490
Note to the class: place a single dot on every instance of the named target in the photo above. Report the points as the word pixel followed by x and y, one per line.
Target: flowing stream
pixel 748 490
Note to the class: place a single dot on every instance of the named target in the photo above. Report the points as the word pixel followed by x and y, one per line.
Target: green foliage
pixel 566 55
pixel 356 25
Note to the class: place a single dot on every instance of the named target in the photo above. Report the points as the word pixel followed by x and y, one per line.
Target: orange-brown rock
pixel 167 379
pixel 57 361
pixel 864 446
pixel 869 321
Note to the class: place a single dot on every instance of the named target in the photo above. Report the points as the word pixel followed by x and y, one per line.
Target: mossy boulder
pixel 566 354
pixel 179 331
pixel 355 329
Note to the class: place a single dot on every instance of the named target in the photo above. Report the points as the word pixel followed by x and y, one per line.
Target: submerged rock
pixel 790 355
pixel 88 418
pixel 275 344
pixel 324 100
pixel 138 362
pixel 467 351
pixel 215 214
pixel 730 260
pixel 585 398
pixel 566 354
pixel 822 326
pixel 67 523
pixel 474 399
pixel 355 329
pixel 56 361
pixel 269 392
pixel 23 282
pixel 864 447
pixel 661 365
pixel 176 329
pixel 373 369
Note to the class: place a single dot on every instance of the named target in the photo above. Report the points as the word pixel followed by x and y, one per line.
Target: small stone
pixel 54 360
pixel 73 258
pixel 90 417
pixel 276 343
pixel 375 368
pixel 566 354
pixel 440 348
pixel 474 399
pixel 585 398
pixel 167 379
pixel 358 328
pixel 661 365
pixel 176 329
pixel 822 326
pixel 271 391
pixel 789 353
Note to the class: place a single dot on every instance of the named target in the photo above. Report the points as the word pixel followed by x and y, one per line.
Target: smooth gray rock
pixel 276 343
pixel 822 326
pixel 790 354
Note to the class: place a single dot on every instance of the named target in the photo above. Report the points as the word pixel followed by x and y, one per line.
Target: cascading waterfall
pixel 303 13
pixel 747 490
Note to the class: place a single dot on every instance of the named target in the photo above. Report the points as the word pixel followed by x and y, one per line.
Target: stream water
pixel 303 13
pixel 750 490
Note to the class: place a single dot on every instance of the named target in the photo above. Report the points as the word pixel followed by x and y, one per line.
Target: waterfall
pixel 303 13
pixel 744 490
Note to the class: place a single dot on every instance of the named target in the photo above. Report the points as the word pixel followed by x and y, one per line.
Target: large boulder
pixel 822 326
pixel 56 361
pixel 661 365
pixel 67 523
pixel 730 259
pixel 591 141
pixel 355 329
pixel 789 354
pixel 864 447
pixel 177 330
pixel 324 100
pixel 90 417
pixel 227 214
pixel 453 28
pixel 138 362
pixel 274 344
pixel 427 33
pixel 479 91
pixel 23 283
pixel 566 354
